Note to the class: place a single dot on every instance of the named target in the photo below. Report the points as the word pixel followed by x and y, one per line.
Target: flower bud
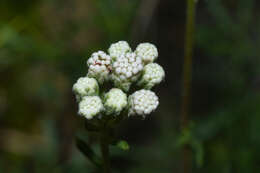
pixel 90 106
pixel 115 101
pixel 147 52
pixel 99 66
pixel 152 74
pixel 126 69
pixel 116 49
pixel 85 87
pixel 142 103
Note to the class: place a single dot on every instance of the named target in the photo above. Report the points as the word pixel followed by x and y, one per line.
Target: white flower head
pixel 153 74
pixel 147 52
pixel 142 102
pixel 116 49
pixel 90 106
pixel 126 69
pixel 99 66
pixel 85 87
pixel 115 101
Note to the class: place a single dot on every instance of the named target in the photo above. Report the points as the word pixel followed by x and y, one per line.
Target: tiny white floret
pixel 142 102
pixel 147 52
pixel 90 106
pixel 99 66
pixel 153 74
pixel 118 48
pixel 126 70
pixel 85 87
pixel 115 101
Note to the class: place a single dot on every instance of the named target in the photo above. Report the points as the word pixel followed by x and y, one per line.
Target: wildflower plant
pixel 117 86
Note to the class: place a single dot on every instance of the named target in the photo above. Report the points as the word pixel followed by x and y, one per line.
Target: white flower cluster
pixel 116 49
pixel 142 102
pixel 85 87
pixel 147 52
pixel 99 66
pixel 152 74
pixel 115 101
pixel 122 68
pixel 90 106
pixel 126 69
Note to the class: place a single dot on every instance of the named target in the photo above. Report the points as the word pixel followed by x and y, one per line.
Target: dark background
pixel 44 45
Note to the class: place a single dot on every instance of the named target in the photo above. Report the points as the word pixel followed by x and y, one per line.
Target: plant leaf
pixel 123 145
pixel 88 152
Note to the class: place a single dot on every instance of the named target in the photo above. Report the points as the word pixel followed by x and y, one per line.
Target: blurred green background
pixel 44 45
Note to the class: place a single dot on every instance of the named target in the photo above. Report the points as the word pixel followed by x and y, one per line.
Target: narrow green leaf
pixel 88 152
pixel 198 151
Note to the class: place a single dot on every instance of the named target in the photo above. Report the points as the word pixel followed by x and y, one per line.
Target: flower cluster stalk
pixel 104 147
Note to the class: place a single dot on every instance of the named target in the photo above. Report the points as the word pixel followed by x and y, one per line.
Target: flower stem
pixel 187 78
pixel 104 146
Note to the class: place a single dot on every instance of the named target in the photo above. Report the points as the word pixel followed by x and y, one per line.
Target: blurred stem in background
pixel 187 78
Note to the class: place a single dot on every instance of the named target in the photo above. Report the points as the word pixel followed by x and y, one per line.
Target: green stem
pixel 104 145
pixel 187 78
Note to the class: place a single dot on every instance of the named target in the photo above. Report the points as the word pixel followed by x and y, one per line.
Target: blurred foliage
pixel 43 48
